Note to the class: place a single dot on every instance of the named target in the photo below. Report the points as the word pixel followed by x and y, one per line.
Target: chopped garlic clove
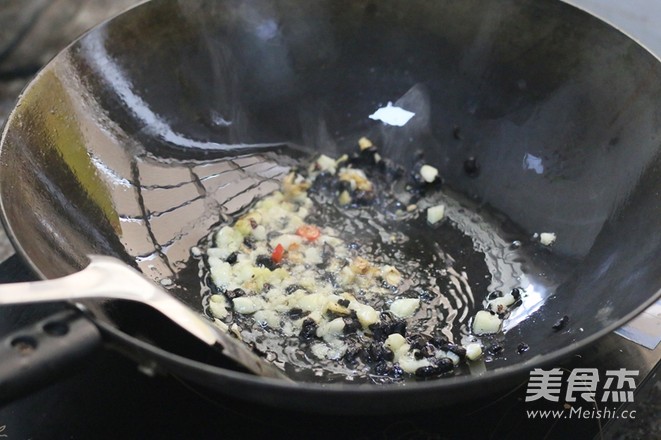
pixel 313 255
pixel 330 329
pixel 360 265
pixel 404 307
pixel 402 351
pixel 500 305
pixel 391 275
pixel 345 198
pixel 394 342
pixel 410 364
pixel 259 233
pixel 320 350
pixel 221 325
pixel 312 302
pixel 364 143
pixel 267 317
pixel 247 305
pixel 334 307
pixel 286 240
pixel 326 163
pixel 428 173
pixel 547 238
pixel 448 354
pixel 217 306
pixel 486 323
pixel 366 314
pixel 228 240
pixel 221 272
pixel 315 316
pixel 356 178
pixel 473 351
pixel 435 214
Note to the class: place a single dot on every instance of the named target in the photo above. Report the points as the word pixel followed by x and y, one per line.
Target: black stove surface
pixel 109 396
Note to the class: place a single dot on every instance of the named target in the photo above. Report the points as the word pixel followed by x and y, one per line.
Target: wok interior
pixel 134 140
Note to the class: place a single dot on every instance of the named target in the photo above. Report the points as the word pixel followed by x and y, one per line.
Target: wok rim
pixel 346 389
pixel 341 389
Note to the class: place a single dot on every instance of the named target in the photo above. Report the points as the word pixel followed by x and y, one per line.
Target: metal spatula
pixel 108 277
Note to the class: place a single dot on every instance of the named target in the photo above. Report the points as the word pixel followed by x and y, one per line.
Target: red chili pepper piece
pixel 309 232
pixel 278 253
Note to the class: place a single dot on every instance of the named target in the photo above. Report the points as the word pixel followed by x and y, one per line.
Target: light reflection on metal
pixel 534 163
pixel 532 299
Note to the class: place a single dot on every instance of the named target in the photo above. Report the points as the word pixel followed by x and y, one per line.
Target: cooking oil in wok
pixel 450 267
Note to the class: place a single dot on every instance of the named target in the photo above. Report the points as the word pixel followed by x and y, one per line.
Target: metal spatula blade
pixel 109 278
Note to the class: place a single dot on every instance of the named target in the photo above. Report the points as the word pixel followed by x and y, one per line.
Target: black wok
pixel 135 139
